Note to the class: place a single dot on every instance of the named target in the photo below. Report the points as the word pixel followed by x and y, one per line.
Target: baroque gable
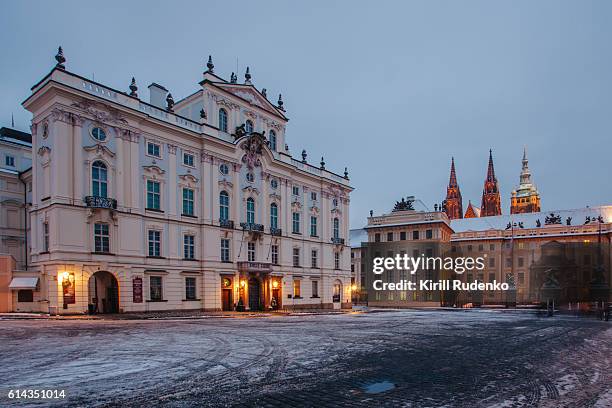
pixel 249 94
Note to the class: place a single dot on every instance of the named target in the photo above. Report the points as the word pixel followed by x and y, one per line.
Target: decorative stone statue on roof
pixel 403 205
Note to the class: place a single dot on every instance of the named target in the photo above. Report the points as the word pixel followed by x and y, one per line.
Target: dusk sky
pixel 390 89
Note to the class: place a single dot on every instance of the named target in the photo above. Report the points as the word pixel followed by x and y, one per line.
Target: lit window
pixel 297 288
pixel 273 140
pixel 189 247
pixel 188 201
pixel 224 202
pixel 153 195
pixel 99 179
pixel 154 243
pixel 98 134
pixel 248 126
pixel 296 223
pixel 222 120
pixel 250 210
pixel 153 149
pixel 188 159
pixel 190 288
pixel 101 238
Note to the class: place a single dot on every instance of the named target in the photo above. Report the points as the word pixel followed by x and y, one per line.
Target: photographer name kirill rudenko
pixel 458 265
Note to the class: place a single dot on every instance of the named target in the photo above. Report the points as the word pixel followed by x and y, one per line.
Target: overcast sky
pixel 390 89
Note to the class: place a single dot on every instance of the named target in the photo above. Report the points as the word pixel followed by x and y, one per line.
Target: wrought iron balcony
pixel 229 224
pixel 252 227
pixel 277 232
pixel 245 266
pixel 337 241
pixel 100 202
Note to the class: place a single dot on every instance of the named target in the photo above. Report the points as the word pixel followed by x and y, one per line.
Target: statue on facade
pixel 403 205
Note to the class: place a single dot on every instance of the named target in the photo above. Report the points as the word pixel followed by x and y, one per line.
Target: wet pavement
pixel 466 358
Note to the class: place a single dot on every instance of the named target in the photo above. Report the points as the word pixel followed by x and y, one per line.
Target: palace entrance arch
pixel 103 293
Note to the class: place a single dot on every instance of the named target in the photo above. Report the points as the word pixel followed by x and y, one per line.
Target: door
pixel 276 296
pixel 226 299
pixel 254 287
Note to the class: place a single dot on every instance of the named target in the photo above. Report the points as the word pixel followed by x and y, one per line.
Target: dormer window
pixel 222 120
pixel 248 127
pixel 153 149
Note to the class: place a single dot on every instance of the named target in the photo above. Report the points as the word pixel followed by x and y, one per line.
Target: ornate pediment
pixel 188 178
pixel 101 112
pixel 251 190
pixel 224 184
pixel 296 206
pixel 154 169
pixel 99 149
pixel 314 210
pixel 249 94
pixel 275 197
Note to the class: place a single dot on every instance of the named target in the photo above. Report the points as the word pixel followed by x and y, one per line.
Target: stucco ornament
pixel 253 147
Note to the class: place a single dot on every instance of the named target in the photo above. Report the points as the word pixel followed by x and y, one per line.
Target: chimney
pixel 157 95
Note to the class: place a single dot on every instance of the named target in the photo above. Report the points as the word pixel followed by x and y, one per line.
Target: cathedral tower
pixel 525 198
pixel 491 204
pixel 453 203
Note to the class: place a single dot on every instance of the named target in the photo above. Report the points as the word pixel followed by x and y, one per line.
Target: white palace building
pixel 196 204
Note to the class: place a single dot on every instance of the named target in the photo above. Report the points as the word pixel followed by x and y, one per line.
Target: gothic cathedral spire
pixel 525 198
pixel 453 203
pixel 491 204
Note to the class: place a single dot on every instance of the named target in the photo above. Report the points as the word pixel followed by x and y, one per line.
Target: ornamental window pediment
pixel 275 197
pixel 225 185
pixel 100 150
pixel 188 179
pixel 251 190
pixel 153 171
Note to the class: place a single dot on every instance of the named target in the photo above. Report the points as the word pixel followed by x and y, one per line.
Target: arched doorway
pixel 254 294
pixel 103 293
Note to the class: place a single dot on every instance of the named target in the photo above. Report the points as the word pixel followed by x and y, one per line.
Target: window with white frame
pixel 248 126
pixel 295 190
pixel 101 238
pixel 222 120
pixel 9 160
pixel 189 246
pixel 188 200
pixel 336 228
pixel 155 288
pixel 154 243
pixel 250 210
pixel 297 288
pixel 314 258
pixel 188 159
pixel 295 223
pixel 225 250
pixel 153 195
pixel 273 216
pixel 313 226
pixel 153 149
pixel 251 251
pixel 99 179
pixel 313 195
pixel 274 251
pixel 224 203
pixel 45 237
pixel 272 139
pixel 315 289
pixel 296 257
pixel 336 260
pixel 190 288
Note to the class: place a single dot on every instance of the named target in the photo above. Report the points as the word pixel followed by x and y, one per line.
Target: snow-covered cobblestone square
pixel 393 358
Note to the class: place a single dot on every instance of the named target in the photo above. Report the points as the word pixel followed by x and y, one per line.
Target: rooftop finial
pixel 264 92
pixel 233 78
pixel 247 76
pixel 133 88
pixel 304 155
pixel 210 65
pixel 202 114
pixel 346 173
pixel 59 57
pixel 169 102
pixel 280 102
pixel 322 163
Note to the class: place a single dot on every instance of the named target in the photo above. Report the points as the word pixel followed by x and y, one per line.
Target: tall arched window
pixel 274 216
pixel 273 140
pixel 223 120
pixel 224 202
pixel 250 210
pixel 248 126
pixel 99 179
pixel 336 228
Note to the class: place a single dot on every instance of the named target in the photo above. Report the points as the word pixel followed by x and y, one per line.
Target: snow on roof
pixel 357 236
pixel 578 217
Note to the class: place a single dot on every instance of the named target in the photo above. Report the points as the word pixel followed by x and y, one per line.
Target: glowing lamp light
pixel 64 276
pixel 275 284
pixel 242 283
pixel 354 287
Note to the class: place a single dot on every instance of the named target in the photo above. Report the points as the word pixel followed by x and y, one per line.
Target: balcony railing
pixel 337 241
pixel 100 202
pixel 252 227
pixel 245 266
pixel 277 232
pixel 229 224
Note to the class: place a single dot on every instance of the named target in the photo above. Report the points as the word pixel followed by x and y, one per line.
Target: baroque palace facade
pixel 162 205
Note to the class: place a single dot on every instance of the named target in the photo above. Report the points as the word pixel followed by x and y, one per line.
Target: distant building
pixel 453 205
pixel 472 211
pixel 491 202
pixel 525 198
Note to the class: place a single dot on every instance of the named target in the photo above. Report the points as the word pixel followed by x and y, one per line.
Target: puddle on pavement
pixel 378 387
